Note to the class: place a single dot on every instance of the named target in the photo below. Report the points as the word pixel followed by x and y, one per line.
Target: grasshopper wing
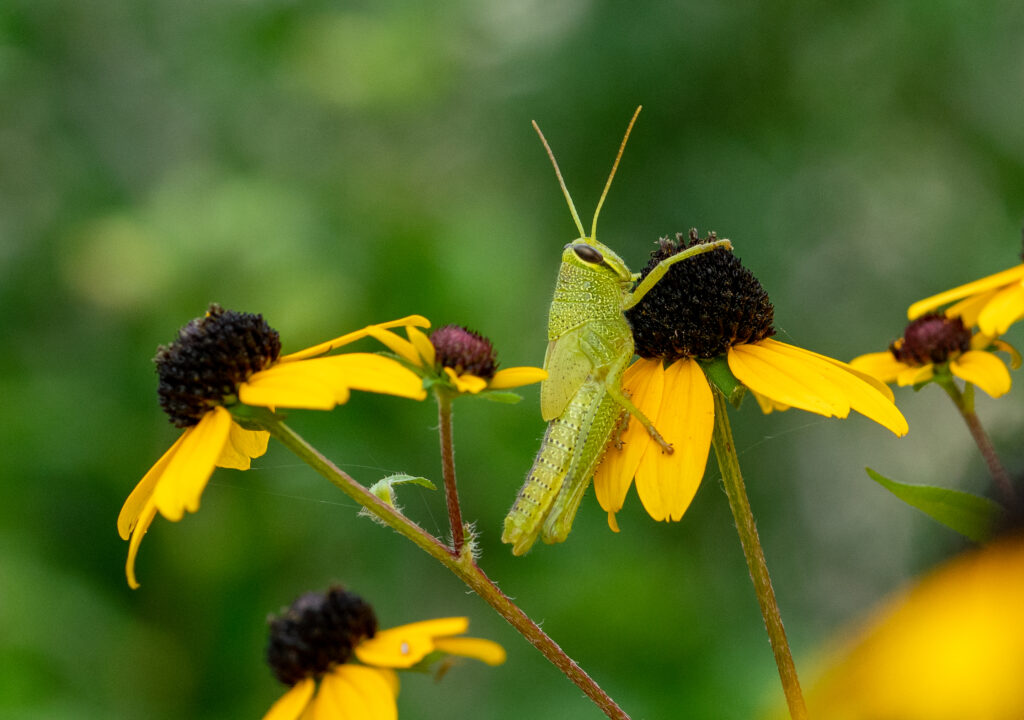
pixel 568 367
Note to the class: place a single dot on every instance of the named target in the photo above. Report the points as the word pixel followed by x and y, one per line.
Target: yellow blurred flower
pixel 228 358
pixel 936 344
pixel 992 303
pixel 711 307
pixel 459 359
pixel 312 646
pixel 949 648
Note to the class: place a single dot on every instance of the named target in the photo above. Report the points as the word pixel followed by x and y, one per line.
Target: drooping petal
pixel 786 379
pixel 293 703
pixel 190 467
pixel 666 483
pixel 984 370
pixel 399 346
pixel 972 288
pixel 242 446
pixel 767 405
pixel 516 377
pixel 353 692
pixel 140 497
pixel 1003 346
pixel 143 521
pixel 484 650
pixel 914 375
pixel 882 365
pixel 969 308
pixel 1003 310
pixel 644 382
pixel 321 348
pixel 406 645
pixel 466 383
pixel 855 389
pixel 423 346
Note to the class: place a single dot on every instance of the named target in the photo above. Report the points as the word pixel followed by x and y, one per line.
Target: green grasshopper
pixel 590 344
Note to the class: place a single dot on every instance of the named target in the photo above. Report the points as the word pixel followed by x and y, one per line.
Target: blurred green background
pixel 335 164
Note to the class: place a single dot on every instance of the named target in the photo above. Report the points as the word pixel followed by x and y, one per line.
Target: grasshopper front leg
pixel 661 268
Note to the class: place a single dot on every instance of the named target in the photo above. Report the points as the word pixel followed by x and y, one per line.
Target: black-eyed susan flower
pixel 949 647
pixel 228 359
pixel 457 359
pixel 936 345
pixel 710 315
pixel 992 303
pixel 339 665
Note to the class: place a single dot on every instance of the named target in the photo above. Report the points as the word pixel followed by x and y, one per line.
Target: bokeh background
pixel 334 164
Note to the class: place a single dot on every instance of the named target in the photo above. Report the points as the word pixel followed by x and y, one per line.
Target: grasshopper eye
pixel 588 254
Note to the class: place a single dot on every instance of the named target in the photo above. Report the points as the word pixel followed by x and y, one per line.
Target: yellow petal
pixel 403 348
pixel 969 308
pixel 320 349
pixel 984 370
pixel 882 365
pixel 376 374
pixel 768 405
pixel 516 377
pixel 484 650
pixel 972 288
pixel 786 379
pixel 353 692
pixel 242 446
pixel 139 498
pixel 644 382
pixel 307 384
pixel 190 468
pixel 613 524
pixel 293 703
pixel 666 483
pixel 406 645
pixel 144 520
pixel 1003 310
pixel 1003 346
pixel 466 383
pixel 423 346
pixel 858 391
pixel 914 375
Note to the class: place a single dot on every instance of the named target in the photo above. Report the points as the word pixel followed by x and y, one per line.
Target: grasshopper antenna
pixel 558 174
pixel 615 166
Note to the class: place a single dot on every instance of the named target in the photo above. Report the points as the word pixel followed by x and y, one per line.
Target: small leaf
pixel 500 396
pixel 972 516
pixel 718 372
pixel 384 489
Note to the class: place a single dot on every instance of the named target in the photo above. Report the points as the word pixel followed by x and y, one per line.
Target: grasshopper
pixel 590 344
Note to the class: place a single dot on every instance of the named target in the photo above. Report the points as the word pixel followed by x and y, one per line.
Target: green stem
pixel 451 493
pixel 728 463
pixel 965 404
pixel 462 565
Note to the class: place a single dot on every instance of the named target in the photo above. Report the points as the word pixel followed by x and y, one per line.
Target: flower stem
pixel 451 493
pixel 964 402
pixel 728 464
pixel 462 565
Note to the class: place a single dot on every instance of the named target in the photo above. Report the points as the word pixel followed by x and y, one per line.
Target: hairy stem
pixel 451 492
pixel 462 565
pixel 964 402
pixel 728 464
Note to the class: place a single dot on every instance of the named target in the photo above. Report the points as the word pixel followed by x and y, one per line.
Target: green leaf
pixel 718 372
pixel 972 516
pixel 384 489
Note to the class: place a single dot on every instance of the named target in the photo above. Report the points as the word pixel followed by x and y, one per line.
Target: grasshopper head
pixel 598 258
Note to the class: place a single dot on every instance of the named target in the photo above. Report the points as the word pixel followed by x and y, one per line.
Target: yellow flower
pixel 312 645
pixel 992 303
pixel 226 358
pixel 931 344
pixel 949 648
pixel 705 310
pixel 459 359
